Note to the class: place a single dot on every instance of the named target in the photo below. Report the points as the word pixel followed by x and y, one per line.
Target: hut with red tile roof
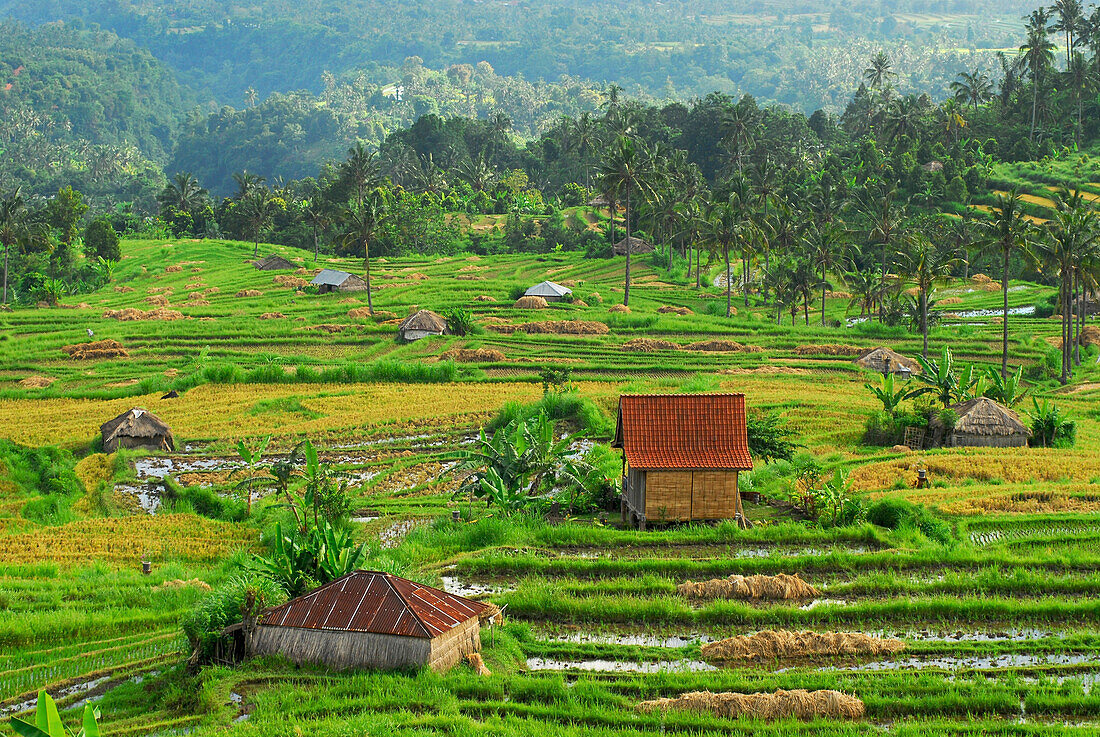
pixel 372 620
pixel 681 456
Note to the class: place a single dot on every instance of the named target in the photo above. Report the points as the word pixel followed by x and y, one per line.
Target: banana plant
pixel 47 721
pixel 338 556
pixel 890 396
pixel 252 458
pixel 1007 391
pixel 939 378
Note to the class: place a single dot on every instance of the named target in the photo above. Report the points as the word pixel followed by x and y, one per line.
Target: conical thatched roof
pixel 637 245
pixel 273 263
pixel 876 360
pixel 137 423
pixel 425 320
pixel 983 416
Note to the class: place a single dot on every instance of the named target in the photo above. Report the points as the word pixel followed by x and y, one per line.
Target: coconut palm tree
pixel 258 210
pixel 16 227
pixel 183 194
pixel 246 182
pixel 361 170
pixel 361 222
pixel 1006 234
pixel 1038 55
pixel 828 248
pixel 973 88
pixel 1069 18
pixel 319 216
pixel 1072 236
pixel 726 227
pixel 880 73
pixel 738 125
pixel 886 220
pixel 924 265
pixel 628 170
pixel 1081 77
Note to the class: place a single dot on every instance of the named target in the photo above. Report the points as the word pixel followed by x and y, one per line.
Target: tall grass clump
pixel 568 406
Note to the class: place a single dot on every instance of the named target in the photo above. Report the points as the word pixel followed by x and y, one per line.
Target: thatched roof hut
pixel 421 324
pixel 137 428
pixel 681 456
pixel 549 291
pixel 982 423
pixel 370 619
pixel 885 360
pixel 636 245
pixel 599 200
pixel 331 280
pixel 273 263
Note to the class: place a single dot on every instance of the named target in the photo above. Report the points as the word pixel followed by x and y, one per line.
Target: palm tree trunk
pixel 924 320
pixel 626 224
pixel 1064 299
pixel 729 281
pixel 315 244
pixel 822 295
pixel 366 257
pixel 5 300
pixel 256 248
pixel 1004 327
pixel 1034 102
pixel 1076 319
pixel 882 286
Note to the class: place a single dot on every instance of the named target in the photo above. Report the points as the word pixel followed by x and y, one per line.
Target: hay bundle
pixel 530 303
pixel 780 587
pixel 798 703
pixel 124 290
pixel 991 286
pixel 286 280
pixel 774 644
pixel 250 293
pixel 492 614
pixel 595 297
pixel 673 310
pixel 564 327
pixel 621 309
pixel 470 277
pixel 272 316
pixel 195 295
pixel 648 345
pixel 198 302
pixel 348 301
pixel 484 298
pixel 478 664
pixel 301 271
pixel 380 315
pixel 131 314
pixel 418 276
pixel 980 279
pixel 157 300
pixel 172 269
pixel 829 350
pixel 838 295
pixel 724 346
pixel 211 290
pixel 37 382
pixel 471 267
pixel 472 355
pixel 360 313
pixel 160 290
pixel 950 301
pixel 329 328
pixel 95 350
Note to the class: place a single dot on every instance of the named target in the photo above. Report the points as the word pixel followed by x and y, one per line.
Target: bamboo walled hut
pixel 549 291
pixel 370 619
pixel 421 324
pixel 636 246
pixel 885 360
pixel 330 280
pixel 273 263
pixel 681 456
pixel 981 423
pixel 137 428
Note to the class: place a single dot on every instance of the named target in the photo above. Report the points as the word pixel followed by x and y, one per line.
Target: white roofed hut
pixel 421 324
pixel 549 291
pixel 331 280
pixel 137 428
pixel 373 620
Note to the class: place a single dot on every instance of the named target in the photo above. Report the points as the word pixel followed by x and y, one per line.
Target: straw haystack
pixel 95 350
pixel 250 293
pixel 724 346
pixel 673 310
pixel 878 359
pixel 131 314
pixel 530 303
pixel 648 345
pixel 798 704
pixel 554 327
pixel 136 428
pixel 981 423
pixel 771 645
pixel 636 246
pixel 782 587
pixel 484 298
pixel 622 309
pixel 472 355
pixel 830 349
pixel 273 263
pixel 37 382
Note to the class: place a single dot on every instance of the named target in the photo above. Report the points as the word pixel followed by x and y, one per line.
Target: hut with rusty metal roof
pixel 137 428
pixel 980 423
pixel 681 456
pixel 372 620
pixel 274 262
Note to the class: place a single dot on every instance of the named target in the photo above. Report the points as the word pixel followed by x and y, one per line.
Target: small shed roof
pixel 983 416
pixel 876 359
pixel 547 289
pixel 330 277
pixel 424 320
pixel 136 423
pixel 599 200
pixel 637 245
pixel 376 602
pixel 273 262
pixel 683 431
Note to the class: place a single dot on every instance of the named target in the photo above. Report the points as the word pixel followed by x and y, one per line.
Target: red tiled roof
pixel 371 601
pixel 683 431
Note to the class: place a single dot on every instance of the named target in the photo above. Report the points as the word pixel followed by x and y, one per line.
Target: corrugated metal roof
pixel 330 277
pixel 683 431
pixel 372 601
pixel 547 289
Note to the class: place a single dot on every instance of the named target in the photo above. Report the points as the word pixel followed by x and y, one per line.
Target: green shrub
pixel 203 624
